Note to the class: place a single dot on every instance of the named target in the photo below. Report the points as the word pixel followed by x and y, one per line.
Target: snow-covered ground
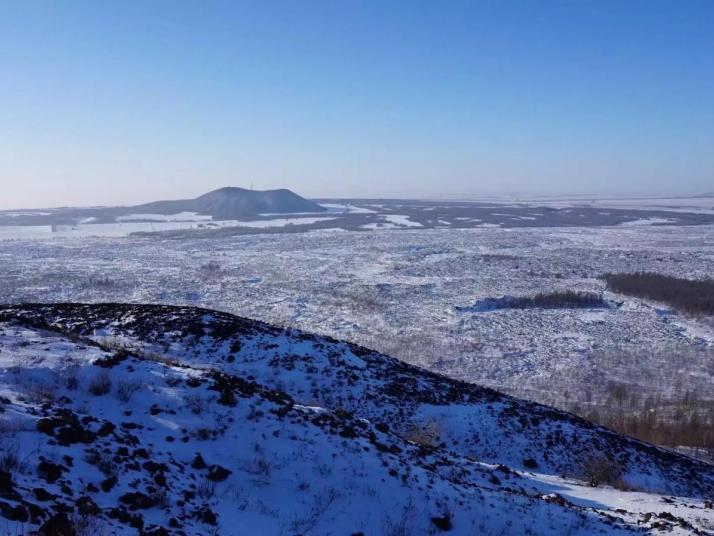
pixel 146 223
pixel 406 293
pixel 117 418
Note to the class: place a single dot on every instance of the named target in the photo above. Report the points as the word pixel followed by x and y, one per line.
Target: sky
pixel 125 102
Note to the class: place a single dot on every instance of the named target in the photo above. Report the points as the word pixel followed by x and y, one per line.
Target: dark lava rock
pixel 6 486
pixel 49 471
pixel 198 462
pixel 141 453
pixel 14 513
pixel 154 467
pixel 443 522
pixel 137 501
pixel 66 427
pixel 206 515
pixel 106 429
pixel 58 525
pixel 108 483
pixel 121 515
pixel 86 506
pixel 41 494
pixel 530 463
pixel 218 473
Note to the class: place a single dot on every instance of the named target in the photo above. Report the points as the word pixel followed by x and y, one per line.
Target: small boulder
pixel 216 473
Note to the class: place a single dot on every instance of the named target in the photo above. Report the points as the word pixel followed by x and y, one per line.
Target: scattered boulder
pixel 108 483
pixel 443 522
pixel 530 463
pixel 198 462
pixel 58 525
pixel 216 473
pixel 14 513
pixel 137 500
pixel 66 427
pixel 87 507
pixel 206 515
pixel 41 494
pixel 49 471
pixel 6 485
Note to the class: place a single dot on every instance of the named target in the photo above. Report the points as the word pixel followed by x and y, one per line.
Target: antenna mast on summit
pixel 251 185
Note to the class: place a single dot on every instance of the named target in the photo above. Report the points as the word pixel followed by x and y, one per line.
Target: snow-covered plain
pixel 146 223
pixel 402 292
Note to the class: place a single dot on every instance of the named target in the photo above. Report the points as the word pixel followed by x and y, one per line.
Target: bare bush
pixel 11 427
pixel 10 459
pixel 90 525
pixel 125 389
pixel 206 489
pixel 322 503
pixel 161 358
pixel 401 525
pixel 102 461
pixel 194 402
pixel 101 384
pixel 260 465
pixel 110 343
pixel 601 470
pixel 69 375
pixel 427 434
pixel 40 392
pixel 160 497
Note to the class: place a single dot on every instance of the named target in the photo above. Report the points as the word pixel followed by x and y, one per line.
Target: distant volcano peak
pixel 234 202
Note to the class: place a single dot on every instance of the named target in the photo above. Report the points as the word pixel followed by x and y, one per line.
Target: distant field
pixel 362 215
pixel 411 292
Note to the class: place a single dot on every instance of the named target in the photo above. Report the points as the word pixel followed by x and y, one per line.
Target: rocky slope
pixel 122 418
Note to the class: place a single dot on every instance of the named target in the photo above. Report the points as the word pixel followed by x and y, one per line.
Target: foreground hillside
pixel 117 418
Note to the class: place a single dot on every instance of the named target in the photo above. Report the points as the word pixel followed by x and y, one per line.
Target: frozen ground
pixel 403 292
pixel 121 419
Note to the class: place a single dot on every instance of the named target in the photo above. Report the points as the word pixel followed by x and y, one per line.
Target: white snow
pixel 181 216
pixel 646 221
pixel 401 220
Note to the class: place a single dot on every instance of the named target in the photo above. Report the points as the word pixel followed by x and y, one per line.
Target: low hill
pixel 231 202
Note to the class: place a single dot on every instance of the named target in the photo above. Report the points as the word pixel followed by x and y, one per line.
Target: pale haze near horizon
pixel 138 101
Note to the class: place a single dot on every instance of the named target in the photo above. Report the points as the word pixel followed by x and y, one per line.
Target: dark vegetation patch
pixel 547 300
pixel 686 421
pixel 691 296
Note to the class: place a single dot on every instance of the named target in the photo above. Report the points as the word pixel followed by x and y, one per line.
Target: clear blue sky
pixel 127 101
